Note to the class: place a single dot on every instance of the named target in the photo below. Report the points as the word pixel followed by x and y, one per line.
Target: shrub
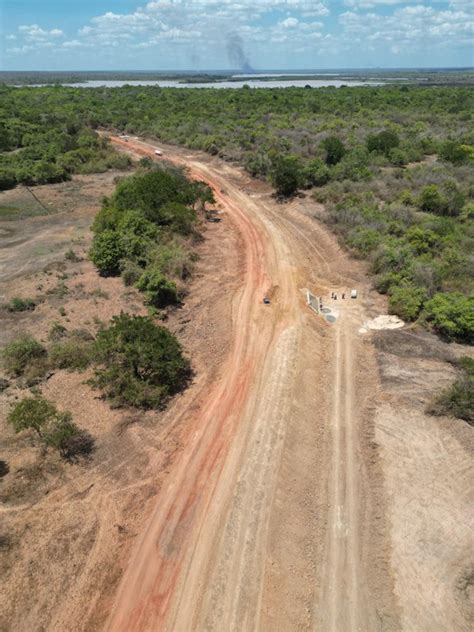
pixel 383 141
pixel 451 314
pixel 74 354
pixel 431 200
pixel 107 252
pixel 142 363
pixel 71 256
pixel 397 157
pixel 159 290
pixel 458 399
pixel 178 217
pixel 57 332
pixel 421 240
pixel 149 192
pixel 55 429
pixel 286 175
pixel 334 149
pixel 365 240
pixel 454 152
pixel 21 354
pixel 32 413
pixel 131 272
pixel 316 173
pixel 406 301
pixel 21 305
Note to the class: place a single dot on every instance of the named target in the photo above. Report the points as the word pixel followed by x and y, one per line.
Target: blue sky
pixel 221 34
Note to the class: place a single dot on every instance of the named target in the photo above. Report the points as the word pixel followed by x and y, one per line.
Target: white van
pixel 353 293
pixel 158 152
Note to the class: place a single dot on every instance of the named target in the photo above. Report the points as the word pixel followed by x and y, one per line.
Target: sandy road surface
pixel 208 558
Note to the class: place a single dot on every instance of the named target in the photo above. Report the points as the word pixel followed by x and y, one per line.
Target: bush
pixel 131 272
pixel 21 305
pixel 286 175
pixel 21 354
pixel 406 301
pixel 159 290
pixel 458 400
pixel 142 363
pixel 454 152
pixel 334 149
pixel 451 314
pixel 397 157
pixel 316 173
pixel 178 217
pixel 55 429
pixel 149 192
pixel 431 200
pixel 383 141
pixel 74 354
pixel 71 256
pixel 107 252
pixel 421 240
pixel 32 413
pixel 57 332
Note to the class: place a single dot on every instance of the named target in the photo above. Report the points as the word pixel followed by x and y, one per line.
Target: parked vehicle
pixel 353 293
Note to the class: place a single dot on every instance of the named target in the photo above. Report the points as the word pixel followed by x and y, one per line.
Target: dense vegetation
pixel 392 164
pixel 39 147
pixel 143 232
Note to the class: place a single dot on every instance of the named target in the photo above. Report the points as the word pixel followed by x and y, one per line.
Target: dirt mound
pixel 381 322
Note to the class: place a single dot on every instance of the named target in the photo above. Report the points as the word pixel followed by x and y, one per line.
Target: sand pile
pixel 382 322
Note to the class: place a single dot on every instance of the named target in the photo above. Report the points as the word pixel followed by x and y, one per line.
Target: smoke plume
pixel 236 55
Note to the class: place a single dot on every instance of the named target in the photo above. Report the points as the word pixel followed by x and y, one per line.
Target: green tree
pixel 178 217
pixel 383 142
pixel 286 175
pixel 451 314
pixel 406 301
pixel 454 152
pixel 431 200
pixel 316 173
pixel 142 364
pixel 107 252
pixel 334 149
pixel 55 428
pixel 32 413
pixel 159 290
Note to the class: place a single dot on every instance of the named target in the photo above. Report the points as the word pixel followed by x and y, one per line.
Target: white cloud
pixel 72 44
pixel 203 28
pixel 370 4
pixel 409 28
pixel 289 23
pixel 33 32
pixel 11 37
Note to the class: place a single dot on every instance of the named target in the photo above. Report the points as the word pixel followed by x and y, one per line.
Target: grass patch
pixel 21 305
pixel 25 356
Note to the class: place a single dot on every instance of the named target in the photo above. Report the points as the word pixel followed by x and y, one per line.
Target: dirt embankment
pixel 296 486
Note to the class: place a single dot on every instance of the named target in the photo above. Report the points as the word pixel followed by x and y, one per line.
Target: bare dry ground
pixel 297 485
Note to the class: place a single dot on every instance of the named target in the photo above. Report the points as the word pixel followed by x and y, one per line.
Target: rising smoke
pixel 236 55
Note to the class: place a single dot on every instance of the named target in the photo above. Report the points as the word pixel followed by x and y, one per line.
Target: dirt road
pixel 298 484
pixel 208 558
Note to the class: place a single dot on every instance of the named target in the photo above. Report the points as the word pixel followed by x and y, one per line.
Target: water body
pixel 252 83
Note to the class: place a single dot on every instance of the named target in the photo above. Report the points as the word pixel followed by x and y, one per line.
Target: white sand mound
pixel 382 322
